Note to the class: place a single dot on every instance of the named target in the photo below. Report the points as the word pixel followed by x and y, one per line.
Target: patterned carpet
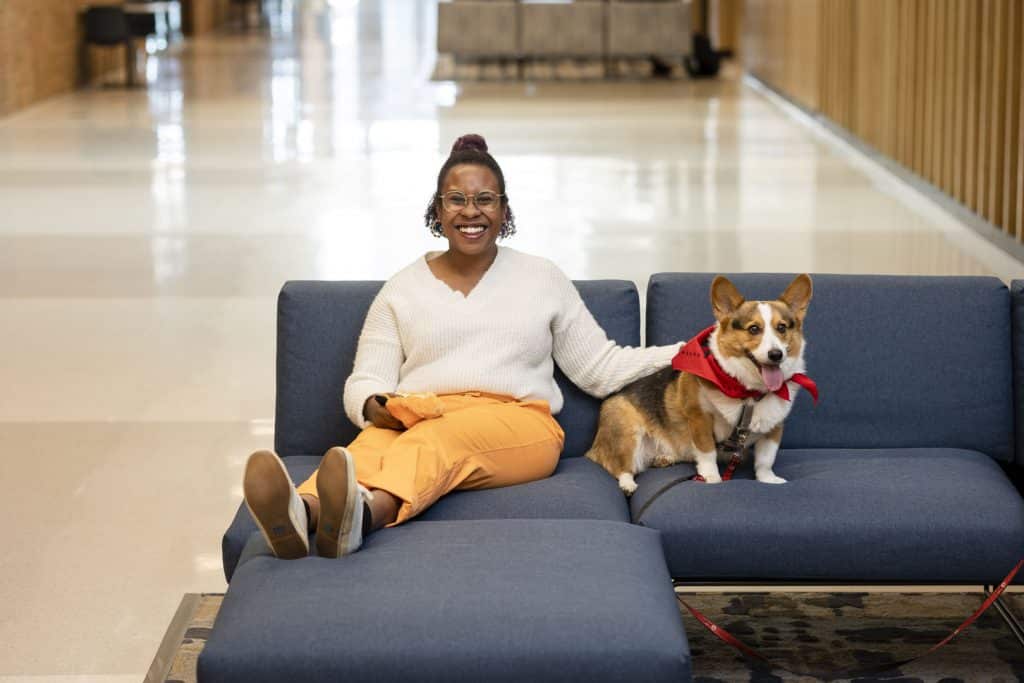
pixel 827 635
pixel 821 634
pixel 183 666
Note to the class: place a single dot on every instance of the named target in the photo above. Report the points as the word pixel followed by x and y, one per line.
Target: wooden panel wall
pixel 42 53
pixel 724 22
pixel 204 16
pixel 934 84
pixel 781 45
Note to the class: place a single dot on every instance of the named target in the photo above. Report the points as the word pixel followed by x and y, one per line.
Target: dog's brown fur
pixel 665 409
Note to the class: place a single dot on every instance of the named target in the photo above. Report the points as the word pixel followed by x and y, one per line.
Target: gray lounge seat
pixel 489 600
pixel 543 581
pixel 895 476
pixel 894 515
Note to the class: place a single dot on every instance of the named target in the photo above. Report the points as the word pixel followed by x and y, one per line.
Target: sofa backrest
pixel 318 326
pixel 1017 316
pixel 900 361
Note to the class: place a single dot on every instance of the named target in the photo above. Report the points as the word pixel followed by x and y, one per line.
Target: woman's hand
pixel 378 415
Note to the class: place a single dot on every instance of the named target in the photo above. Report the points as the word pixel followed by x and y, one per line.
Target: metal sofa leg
pixel 1006 612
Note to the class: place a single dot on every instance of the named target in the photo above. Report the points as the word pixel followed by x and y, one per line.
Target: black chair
pixel 244 8
pixel 107 25
pixel 142 24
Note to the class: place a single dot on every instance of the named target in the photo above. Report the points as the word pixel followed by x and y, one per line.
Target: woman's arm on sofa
pixel 594 363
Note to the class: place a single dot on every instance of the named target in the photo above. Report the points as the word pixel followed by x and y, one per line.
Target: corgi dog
pixel 752 356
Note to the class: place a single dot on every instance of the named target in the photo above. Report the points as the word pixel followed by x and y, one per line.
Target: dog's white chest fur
pixel 769 412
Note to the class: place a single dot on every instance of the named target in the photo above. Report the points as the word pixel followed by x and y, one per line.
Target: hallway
pixel 144 236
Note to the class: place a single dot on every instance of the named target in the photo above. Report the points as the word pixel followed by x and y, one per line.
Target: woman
pixel 477 325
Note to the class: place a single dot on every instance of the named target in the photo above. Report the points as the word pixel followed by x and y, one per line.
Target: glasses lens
pixel 454 201
pixel 486 200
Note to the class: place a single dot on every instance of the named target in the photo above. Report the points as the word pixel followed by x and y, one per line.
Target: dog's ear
pixel 725 298
pixel 798 295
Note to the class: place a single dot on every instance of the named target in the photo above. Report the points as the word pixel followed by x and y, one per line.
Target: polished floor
pixel 144 235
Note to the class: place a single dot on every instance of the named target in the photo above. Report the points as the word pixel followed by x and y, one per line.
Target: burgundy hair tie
pixel 470 141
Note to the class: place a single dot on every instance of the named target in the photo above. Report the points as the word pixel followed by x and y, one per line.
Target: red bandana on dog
pixel 696 358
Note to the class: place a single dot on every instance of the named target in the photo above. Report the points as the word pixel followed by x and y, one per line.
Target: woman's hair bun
pixel 470 141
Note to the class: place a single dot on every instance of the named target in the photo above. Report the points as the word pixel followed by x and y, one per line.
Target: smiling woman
pixel 453 381
pixel 470 209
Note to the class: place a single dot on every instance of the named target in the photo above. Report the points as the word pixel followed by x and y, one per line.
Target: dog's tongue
pixel 772 377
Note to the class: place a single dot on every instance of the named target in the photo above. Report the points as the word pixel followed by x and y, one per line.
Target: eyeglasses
pixel 457 201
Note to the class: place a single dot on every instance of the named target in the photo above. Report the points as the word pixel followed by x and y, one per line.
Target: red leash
pixel 730 469
pixel 732 640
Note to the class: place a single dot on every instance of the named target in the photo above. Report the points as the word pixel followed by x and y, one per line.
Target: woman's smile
pixel 471 231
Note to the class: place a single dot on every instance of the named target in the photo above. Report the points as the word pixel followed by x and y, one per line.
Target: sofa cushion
pixel 318 327
pixel 562 30
pixel 900 361
pixel 578 489
pixel 661 27
pixel 492 600
pixel 896 515
pixel 478 29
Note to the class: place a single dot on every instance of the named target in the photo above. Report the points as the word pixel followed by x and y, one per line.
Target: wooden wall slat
pixel 997 112
pixel 975 34
pixel 913 81
pixel 921 77
pixel 826 51
pixel 1012 120
pixel 984 107
pixel 939 101
pixel 874 102
pixel 1020 142
pixel 959 97
pixel 909 52
pixel 930 75
pixel 938 85
pixel 838 50
pixel 948 10
pixel 939 112
pixel 849 21
pixel 890 79
pixel 896 129
pixel 949 127
pixel 934 105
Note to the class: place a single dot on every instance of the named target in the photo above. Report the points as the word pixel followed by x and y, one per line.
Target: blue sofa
pixel 897 476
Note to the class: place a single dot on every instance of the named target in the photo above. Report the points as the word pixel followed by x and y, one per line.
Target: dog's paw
pixel 712 477
pixel 663 461
pixel 627 484
pixel 770 478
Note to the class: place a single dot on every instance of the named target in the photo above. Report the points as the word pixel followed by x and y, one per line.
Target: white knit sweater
pixel 504 338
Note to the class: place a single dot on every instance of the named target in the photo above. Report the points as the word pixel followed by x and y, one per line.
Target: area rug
pixel 447 68
pixel 826 636
pixel 817 635
pixel 183 664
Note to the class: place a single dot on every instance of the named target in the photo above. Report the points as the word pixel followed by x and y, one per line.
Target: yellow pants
pixel 481 441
